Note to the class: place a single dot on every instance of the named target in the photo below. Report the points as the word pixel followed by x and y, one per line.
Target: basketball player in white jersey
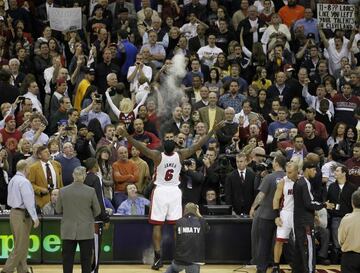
pixel 166 197
pixel 284 202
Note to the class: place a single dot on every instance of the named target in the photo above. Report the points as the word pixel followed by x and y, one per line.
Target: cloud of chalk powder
pixel 170 90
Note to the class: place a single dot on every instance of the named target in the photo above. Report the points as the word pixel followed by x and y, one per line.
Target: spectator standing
pixel 45 175
pixel 68 162
pixel 124 171
pixel 78 204
pixel 353 164
pixel 339 193
pixel 291 13
pixel 21 200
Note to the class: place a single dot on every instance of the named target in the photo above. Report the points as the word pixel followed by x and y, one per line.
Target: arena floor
pixel 146 269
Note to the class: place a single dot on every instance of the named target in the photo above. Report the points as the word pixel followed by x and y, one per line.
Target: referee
pixel 21 199
pixel 304 214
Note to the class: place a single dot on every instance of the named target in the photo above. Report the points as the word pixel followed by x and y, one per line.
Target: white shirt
pixel 134 83
pixel 35 101
pixel 48 74
pixel 209 54
pixel 243 173
pixel 327 171
pixel 52 170
pixel 189 30
pixel 254 23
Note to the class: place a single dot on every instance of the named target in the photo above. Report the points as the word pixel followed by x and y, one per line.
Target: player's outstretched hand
pixel 219 125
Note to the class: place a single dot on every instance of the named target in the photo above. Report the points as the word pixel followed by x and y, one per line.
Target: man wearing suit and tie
pixel 211 113
pixel 79 206
pixel 239 187
pixel 45 175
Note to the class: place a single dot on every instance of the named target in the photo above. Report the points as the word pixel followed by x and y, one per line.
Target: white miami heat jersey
pixel 288 196
pixel 168 171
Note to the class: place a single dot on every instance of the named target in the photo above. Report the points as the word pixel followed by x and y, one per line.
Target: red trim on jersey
pixel 171 222
pixel 282 240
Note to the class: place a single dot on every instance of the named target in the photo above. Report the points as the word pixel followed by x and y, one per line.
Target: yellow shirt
pixel 348 233
pixel 80 93
pixel 212 115
pixel 197 95
pixel 259 84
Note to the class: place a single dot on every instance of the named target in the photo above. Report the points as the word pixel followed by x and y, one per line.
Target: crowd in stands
pixel 281 83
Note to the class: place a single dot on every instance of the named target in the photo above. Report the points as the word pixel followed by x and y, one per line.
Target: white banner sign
pixel 336 16
pixel 64 19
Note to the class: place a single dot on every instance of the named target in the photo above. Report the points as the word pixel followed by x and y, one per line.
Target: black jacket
pixel 304 204
pixel 191 185
pixel 190 239
pixel 342 198
pixel 240 195
pixel 92 180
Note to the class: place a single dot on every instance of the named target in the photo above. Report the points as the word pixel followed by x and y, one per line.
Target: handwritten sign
pixel 65 19
pixel 336 16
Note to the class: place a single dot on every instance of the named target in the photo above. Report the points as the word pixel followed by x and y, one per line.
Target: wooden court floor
pixel 146 269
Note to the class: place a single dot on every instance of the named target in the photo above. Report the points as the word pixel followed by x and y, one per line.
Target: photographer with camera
pixel 263 228
pixel 191 182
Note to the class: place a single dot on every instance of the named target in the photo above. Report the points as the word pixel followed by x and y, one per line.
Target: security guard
pixel 190 241
pixel 21 199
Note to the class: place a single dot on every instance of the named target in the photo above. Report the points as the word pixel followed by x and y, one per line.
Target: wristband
pixel 277 211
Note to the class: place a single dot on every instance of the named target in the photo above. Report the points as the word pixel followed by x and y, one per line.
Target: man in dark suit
pixel 79 205
pixel 198 41
pixel 93 181
pixel 239 187
pixel 225 134
pixel 8 92
pixel 252 28
pixel 204 94
pixel 42 13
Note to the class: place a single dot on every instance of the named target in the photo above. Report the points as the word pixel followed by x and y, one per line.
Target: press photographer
pixel 191 182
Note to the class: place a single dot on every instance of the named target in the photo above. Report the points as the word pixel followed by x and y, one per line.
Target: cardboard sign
pixel 336 16
pixel 65 19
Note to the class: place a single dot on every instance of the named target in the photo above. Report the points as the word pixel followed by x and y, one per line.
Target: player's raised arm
pixel 152 154
pixel 185 153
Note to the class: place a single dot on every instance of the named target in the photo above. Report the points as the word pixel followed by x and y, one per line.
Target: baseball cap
pixel 90 70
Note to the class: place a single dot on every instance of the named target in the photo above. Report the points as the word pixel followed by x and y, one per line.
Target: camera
pixel 187 162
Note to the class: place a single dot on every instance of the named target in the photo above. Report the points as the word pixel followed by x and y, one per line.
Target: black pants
pixel 265 243
pixel 68 253
pixel 304 256
pixel 97 247
pixel 350 262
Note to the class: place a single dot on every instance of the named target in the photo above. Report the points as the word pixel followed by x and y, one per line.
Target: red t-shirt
pixel 354 171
